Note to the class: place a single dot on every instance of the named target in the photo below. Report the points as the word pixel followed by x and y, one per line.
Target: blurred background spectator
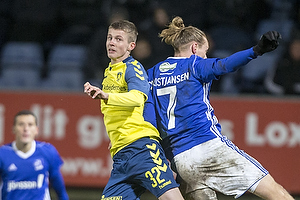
pixel 284 76
pixel 151 28
pixel 78 26
pixel 143 52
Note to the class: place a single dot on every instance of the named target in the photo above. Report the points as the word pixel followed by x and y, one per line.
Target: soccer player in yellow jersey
pixel 139 161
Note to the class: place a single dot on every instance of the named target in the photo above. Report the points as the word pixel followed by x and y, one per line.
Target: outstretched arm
pixel 212 68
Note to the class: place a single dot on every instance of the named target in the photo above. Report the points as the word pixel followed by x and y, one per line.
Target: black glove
pixel 268 42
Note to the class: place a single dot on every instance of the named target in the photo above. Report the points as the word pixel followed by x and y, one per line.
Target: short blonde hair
pixel 127 27
pixel 178 35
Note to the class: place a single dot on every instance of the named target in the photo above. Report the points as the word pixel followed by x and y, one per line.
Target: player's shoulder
pixel 6 147
pixel 135 69
pixel 6 150
pixel 44 145
pixel 128 60
pixel 46 149
pixel 133 63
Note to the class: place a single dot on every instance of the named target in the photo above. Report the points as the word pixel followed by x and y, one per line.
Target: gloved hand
pixel 268 42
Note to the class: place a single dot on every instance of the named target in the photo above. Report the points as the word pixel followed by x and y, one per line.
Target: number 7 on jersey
pixel 172 103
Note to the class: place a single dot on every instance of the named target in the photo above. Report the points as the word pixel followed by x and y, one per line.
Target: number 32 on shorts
pixel 155 172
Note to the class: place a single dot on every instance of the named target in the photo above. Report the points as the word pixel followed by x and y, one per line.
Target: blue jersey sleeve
pixel 136 77
pixel 52 156
pixel 55 176
pixel 3 156
pixel 149 111
pixel 57 182
pixel 211 68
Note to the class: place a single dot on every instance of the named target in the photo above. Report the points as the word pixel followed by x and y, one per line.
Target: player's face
pixel 25 129
pixel 117 45
pixel 202 50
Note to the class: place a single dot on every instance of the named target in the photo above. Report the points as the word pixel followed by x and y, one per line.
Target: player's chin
pixel 113 55
pixel 26 140
pixel 110 53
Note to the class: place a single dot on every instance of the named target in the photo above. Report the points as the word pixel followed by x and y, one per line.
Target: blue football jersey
pixel 178 104
pixel 26 175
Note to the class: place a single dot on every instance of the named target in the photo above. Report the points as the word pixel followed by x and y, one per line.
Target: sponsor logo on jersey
pixel 167 66
pixel 21 185
pixel 116 88
pixel 12 167
pixel 25 185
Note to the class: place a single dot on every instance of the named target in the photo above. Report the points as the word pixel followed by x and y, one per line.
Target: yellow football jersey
pixel 128 87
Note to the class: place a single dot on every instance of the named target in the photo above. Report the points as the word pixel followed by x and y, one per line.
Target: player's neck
pixel 120 59
pixel 185 54
pixel 24 147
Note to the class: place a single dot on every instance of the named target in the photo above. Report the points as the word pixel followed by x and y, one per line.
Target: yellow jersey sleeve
pixel 133 98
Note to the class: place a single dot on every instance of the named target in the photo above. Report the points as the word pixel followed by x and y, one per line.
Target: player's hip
pixel 219 165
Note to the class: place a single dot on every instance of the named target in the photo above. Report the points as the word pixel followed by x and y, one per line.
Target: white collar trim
pixel 21 153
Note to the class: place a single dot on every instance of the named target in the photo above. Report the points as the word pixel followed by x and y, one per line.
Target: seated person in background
pixel 285 77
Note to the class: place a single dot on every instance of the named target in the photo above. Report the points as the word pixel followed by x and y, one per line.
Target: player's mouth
pixel 26 135
pixel 111 51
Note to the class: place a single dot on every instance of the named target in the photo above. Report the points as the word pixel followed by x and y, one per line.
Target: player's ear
pixel 131 46
pixel 194 47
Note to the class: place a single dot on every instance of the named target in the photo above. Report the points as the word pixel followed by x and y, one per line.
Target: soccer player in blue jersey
pixel 139 162
pixel 27 166
pixel 205 160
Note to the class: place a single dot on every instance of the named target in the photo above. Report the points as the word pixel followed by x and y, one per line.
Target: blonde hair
pixel 127 27
pixel 178 35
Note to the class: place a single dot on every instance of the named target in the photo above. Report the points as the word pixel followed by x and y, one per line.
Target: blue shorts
pixel 138 167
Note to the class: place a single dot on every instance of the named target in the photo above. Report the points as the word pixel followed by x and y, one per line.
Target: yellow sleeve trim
pixel 132 98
